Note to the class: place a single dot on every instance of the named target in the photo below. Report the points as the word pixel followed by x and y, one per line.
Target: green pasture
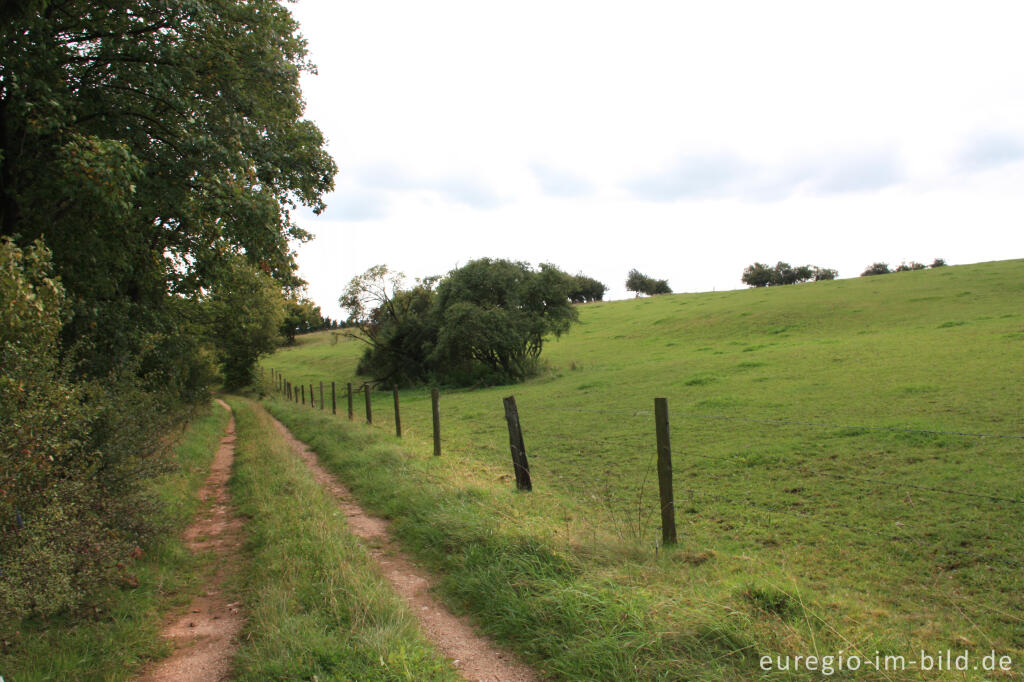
pixel 832 492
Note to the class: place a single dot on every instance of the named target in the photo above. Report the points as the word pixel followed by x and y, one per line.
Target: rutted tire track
pixel 473 655
pixel 205 635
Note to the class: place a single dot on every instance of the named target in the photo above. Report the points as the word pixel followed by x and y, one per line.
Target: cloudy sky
pixel 684 139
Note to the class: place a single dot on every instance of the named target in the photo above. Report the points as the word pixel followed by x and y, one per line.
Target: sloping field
pixel 847 458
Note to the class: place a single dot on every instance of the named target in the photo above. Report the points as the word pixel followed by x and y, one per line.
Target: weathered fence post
pixel 304 394
pixel 369 404
pixel 312 403
pixel 398 414
pixel 351 412
pixel 515 441
pixel 334 404
pixel 435 409
pixel 321 395
pixel 668 505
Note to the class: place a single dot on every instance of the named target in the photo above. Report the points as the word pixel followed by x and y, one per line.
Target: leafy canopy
pixel 149 141
pixel 761 275
pixel 640 283
pixel 483 322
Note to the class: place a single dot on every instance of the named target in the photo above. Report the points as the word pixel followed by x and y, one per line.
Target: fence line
pixel 638 441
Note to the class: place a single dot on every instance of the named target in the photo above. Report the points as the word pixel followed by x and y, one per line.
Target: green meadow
pixel 847 472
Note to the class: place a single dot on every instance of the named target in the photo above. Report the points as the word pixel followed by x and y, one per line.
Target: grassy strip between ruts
pixel 499 563
pixel 125 628
pixel 319 608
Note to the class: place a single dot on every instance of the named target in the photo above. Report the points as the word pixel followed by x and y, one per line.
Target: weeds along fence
pixel 931 493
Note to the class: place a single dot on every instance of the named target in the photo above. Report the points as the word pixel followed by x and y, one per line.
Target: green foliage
pixel 938 263
pixel 246 312
pixel 124 628
pixel 302 316
pixel 484 322
pixel 876 269
pixel 496 314
pixel 642 284
pixel 75 456
pixel 761 275
pixel 147 142
pixel 583 289
pixel 824 274
pixel 912 265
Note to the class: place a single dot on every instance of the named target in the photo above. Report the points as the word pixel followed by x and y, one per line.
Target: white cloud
pixel 687 139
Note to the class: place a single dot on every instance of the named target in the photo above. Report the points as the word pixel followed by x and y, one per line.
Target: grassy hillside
pixel 814 504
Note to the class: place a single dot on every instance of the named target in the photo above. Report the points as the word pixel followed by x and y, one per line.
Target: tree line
pixel 883 268
pixel 151 155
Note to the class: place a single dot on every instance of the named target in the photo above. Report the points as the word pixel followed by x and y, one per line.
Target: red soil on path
pixel 204 637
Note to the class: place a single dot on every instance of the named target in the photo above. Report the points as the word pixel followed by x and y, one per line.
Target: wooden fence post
pixel 435 409
pixel 668 505
pixel 398 414
pixel 334 404
pixel 303 394
pixel 515 441
pixel 321 395
pixel 369 404
pixel 351 412
pixel 312 403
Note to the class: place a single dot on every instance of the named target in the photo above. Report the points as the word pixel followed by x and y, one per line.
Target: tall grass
pixel 317 606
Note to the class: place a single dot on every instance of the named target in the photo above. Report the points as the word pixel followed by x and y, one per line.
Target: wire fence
pixel 633 489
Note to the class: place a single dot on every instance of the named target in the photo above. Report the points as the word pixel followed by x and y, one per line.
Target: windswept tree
pixel 640 283
pixel 395 323
pixel 583 289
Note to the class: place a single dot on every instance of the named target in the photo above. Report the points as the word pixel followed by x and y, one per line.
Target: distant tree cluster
pixel 640 283
pixel 302 316
pixel 762 275
pixel 482 323
pixel 883 268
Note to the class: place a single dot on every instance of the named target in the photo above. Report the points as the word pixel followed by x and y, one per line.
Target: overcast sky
pixel 684 139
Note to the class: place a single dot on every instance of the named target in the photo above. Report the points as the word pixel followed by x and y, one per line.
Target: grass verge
pixel 319 608
pixel 501 563
pixel 124 629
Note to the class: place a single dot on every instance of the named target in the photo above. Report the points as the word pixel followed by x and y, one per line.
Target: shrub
pixel 74 455
pixel 938 263
pixel 876 269
pixel 912 265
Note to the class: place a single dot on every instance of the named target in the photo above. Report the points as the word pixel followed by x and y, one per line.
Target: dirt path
pixel 474 656
pixel 205 635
